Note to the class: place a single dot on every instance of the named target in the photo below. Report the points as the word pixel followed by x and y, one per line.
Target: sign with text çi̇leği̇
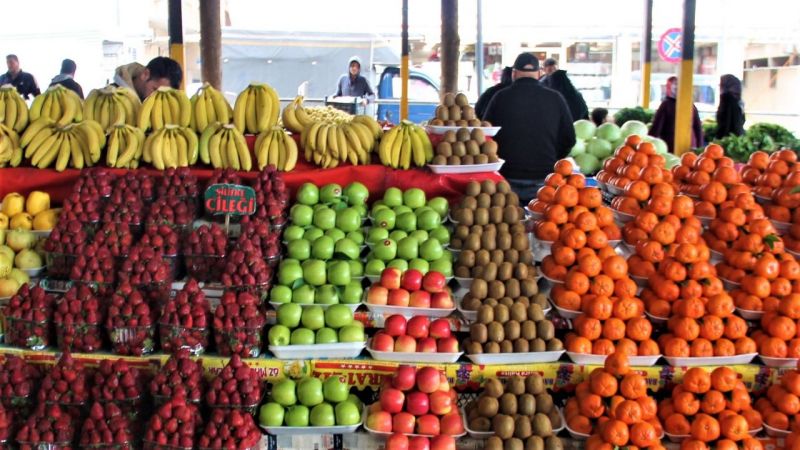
pixel 230 200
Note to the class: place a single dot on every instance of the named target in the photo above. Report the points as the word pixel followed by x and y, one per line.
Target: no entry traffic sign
pixel 670 46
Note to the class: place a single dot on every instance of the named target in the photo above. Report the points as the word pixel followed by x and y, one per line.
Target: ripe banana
pixel 75 144
pixel 404 146
pixel 224 147
pixel 165 106
pixel 124 146
pixel 168 147
pixel 112 106
pixel 59 104
pixel 13 110
pixel 276 148
pixel 209 106
pixel 294 116
pixel 256 109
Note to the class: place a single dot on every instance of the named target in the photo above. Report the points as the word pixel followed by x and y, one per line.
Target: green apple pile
pixel 307 325
pixel 17 253
pixel 323 246
pixel 407 232
pixel 311 402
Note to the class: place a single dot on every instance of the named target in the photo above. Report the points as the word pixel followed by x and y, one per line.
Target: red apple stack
pixel 185 319
pixel 130 322
pixel 106 427
pixel 175 424
pixel 410 289
pixel 399 441
pixel 205 252
pixel 418 334
pixel 180 374
pixel 238 324
pixel 236 386
pixel 230 429
pixel 28 315
pixel 118 382
pixel 65 383
pixel 17 381
pixel 49 424
pixel 78 318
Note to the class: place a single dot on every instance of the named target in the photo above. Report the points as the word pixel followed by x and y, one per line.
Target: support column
pixel 175 28
pixel 211 43
pixel 449 46
pixel 404 65
pixel 645 50
pixel 479 49
pixel 683 116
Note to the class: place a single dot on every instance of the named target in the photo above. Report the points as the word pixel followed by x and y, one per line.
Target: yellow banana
pixel 291 153
pixel 214 149
pixel 157 150
pixel 112 149
pixel 36 107
pixel 76 152
pixel 417 148
pixel 184 108
pixel 405 151
pixel 251 121
pixel 231 152
pixel 245 161
pixel 262 109
pixel 333 141
pixel 200 114
pixel 49 154
pixel 240 110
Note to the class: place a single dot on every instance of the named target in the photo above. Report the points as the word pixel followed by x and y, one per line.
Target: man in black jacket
pixel 536 128
pixel 23 81
pixel 66 77
pixel 488 94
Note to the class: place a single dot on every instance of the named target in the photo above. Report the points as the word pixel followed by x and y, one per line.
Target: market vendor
pixel 535 128
pixel 23 81
pixel 353 84
pixel 160 71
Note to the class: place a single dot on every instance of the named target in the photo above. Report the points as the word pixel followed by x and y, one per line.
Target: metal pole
pixel 646 52
pixel 211 43
pixel 683 116
pixel 175 29
pixel 448 52
pixel 404 65
pixel 479 49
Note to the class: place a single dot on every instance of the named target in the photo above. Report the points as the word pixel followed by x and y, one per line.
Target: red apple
pixel 380 421
pixel 396 441
pixel 392 400
pixel 398 297
pixel 417 403
pixel 382 342
pixel 434 282
pixel 395 325
pixel 442 300
pixel 419 443
pixel 377 295
pixel 444 386
pixel 374 407
pixel 452 424
pixel 404 378
pixel 405 343
pixel 447 345
pixel 441 403
pixel 418 326
pixel 428 379
pixel 390 278
pixel 426 345
pixel 411 280
pixel 428 424
pixel 443 442
pixel 403 422
pixel 420 299
pixel 440 328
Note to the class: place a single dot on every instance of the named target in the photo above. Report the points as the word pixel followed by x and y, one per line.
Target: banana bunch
pixel 111 106
pixel 10 151
pixel 276 148
pixel 76 144
pixel 165 106
pixel 327 144
pixel 124 146
pixel 294 116
pixel 170 147
pixel 256 109
pixel 405 144
pixel 224 147
pixel 13 110
pixel 209 106
pixel 327 114
pixel 59 104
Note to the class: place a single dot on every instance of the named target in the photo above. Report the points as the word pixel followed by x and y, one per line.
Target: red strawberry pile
pixel 65 383
pixel 17 380
pixel 117 381
pixel 177 183
pixel 205 252
pixel 126 208
pixel 106 427
pixel 171 211
pixel 78 318
pixel 143 266
pixel 84 210
pixel 180 374
pixel 161 238
pixel 67 238
pixel 93 265
pixel 238 324
pixel 258 232
pixel 224 176
pixel 49 424
pixel 6 423
pixel 95 182
pixel 230 429
pixel 116 237
pixel 236 385
pixel 272 196
pixel 185 319
pixel 245 266
pixel 28 315
pixel 138 183
pixel 175 424
pixel 130 322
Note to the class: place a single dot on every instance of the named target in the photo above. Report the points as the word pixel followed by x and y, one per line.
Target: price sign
pixel 230 200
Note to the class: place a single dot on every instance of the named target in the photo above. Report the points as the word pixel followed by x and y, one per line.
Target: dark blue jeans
pixel 525 189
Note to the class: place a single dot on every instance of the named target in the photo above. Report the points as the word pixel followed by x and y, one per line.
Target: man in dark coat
pixel 23 81
pixel 664 120
pixel 66 77
pixel 559 82
pixel 536 128
pixel 488 94
pixel 353 84
pixel 730 114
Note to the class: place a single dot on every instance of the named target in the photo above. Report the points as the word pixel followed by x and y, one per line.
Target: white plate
pixel 599 360
pixel 321 351
pixel 715 257
pixel 408 311
pixel 486 359
pixel 705 221
pixel 336 429
pixel 385 434
pixel 748 314
pixel 655 319
pixel 551 280
pixel 729 285
pixel 622 217
pixel 534 215
pixel 464 282
pixel 575 435
pixel 640 281
pixel 710 360
pixel 41 233
pixel 676 438
pixel 466 168
pixel 563 312
pixel 441 129
pixel 774 432
pixel 781 227
pixel 779 362
pixel 35 272
pixel 614 190
pixel 353 306
pixel 414 357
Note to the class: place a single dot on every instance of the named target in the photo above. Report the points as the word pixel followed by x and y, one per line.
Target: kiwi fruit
pixel 466 258
pixel 490 302
pixel 555 418
pixel 541 423
pixel 473 189
pixel 470 303
pixel 534 443
pixel 482 257
pixel 458 149
pixel 449 99
pixel 472 148
pixel 461 99
pixel 522 428
pixel 521 271
pixel 526 404
pixel 512 330
pixel 442 112
pixel 519 241
pixel 478 136
pixel 481 216
pixel 489 147
pixel 484 200
pixel 518 313
pixel 526 256
pixel 480 424
pixel 497 256
pixel 515 385
pixel 467 219
pixel 538 345
pixel 489 272
pixel 513 444
pixel 469 203
pixel 491 347
pixel 553 443
pixel 521 346
pixel 507 301
pixel 488 239
pixel 540 299
pixel 499 200
pixel 488 405
pixel 468 113
pixel 512 288
pixel 473 348
pixel 555 344
pixel 528 330
pixel 534 312
pixel 444 148
pixel 449 123
pixel 545 330
pixel 467 160
pixel 512 199
pixel 461 232
pixel 502 227
pixel 493 387
pixel 462 135
pixel 439 160
pixel 503 241
pixel 479 333
pixel 477 272
pixel 449 136
pixel 504 271
pixel 495 215
pixel 455 113
pixel 437 122
pixel 462 272
pixel 496 332
pixel 492 158
pixel 544 402
pixel 485 314
pixel 506 347
pixel 453 161
pixel 518 227
pixel 510 254
pixel 471 243
pixel 478 289
pixel 528 288
pixel 534 384
pixel 524 301
pixel 493 443
pixel 498 290
pixel 508 404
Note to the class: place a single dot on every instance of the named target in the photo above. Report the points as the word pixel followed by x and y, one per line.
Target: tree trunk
pixel 211 42
pixel 449 46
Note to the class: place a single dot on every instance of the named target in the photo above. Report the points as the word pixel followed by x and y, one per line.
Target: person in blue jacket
pixel 353 84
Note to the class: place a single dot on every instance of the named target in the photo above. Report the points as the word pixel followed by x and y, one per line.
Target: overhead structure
pixel 404 65
pixel 175 29
pixel 211 43
pixel 683 116
pixel 448 52
pixel 646 52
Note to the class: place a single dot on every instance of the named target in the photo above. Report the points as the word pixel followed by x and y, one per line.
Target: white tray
pixel 729 285
pixel 704 220
pixel 779 362
pixel 599 360
pixel 336 429
pixel 710 360
pixel 640 281
pixel 622 217
pixel 441 129
pixel 715 257
pixel 385 434
pixel 414 357
pixel 353 306
pixel 676 438
pixel 319 351
pixel 485 359
pixel 33 273
pixel 464 282
pixel 575 435
pixel 748 314
pixel 563 312
pixel 655 319
pixel 551 280
pixel 781 227
pixel 466 168
pixel 774 432
pixel 408 311
pixel 41 233
pixel 762 200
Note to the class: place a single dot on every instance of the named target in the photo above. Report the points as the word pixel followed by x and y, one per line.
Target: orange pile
pixel 755 251
pixel 781 406
pixel 706 176
pixel 779 335
pixel 634 167
pixel 613 406
pixel 734 214
pixel 766 173
pixel 712 409
pixel 773 278
pixel 562 175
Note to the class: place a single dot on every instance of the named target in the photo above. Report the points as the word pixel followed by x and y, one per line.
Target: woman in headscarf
pixel 730 114
pixel 664 120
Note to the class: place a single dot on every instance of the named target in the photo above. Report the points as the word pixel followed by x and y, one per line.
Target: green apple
pixel 308 194
pixel 443 265
pixel 431 250
pixel 361 209
pixel 339 273
pixel 356 193
pixel 326 294
pixel 322 248
pixel 356 268
pixel 351 333
pixel 353 398
pixel 322 415
pixel 324 218
pixel 279 335
pixel 338 316
pixel 393 197
pixel 271 414
pixel 338 205
pixel 293 232
pixel 385 250
pixel 335 390
pixel 314 272
pixel 346 249
pixel 330 193
pixel 407 248
pixel 326 336
pixel 297 416
pixel 414 198
pixel 302 336
pixel 284 392
pixel 428 220
pixel 401 209
pixel 406 221
pixel 335 234
pixel 419 264
pixel 313 317
pixel 304 295
pixel 385 218
pixel 347 413
pixel 289 273
pixel 289 315
pixel 299 249
pixel 401 264
pixel 419 235
pixel 280 294
pixel 440 205
pixel 352 293
pixel 377 206
pixel 377 234
pixel 440 233
pixel 356 236
pixel 396 235
pixel 301 215
pixel 312 234
pixel 374 267
pixel 348 219
pixel 309 391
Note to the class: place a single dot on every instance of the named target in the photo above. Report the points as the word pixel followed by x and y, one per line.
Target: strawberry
pixel 78 318
pixel 133 185
pixel 106 425
pixel 272 196
pixel 130 322
pixel 224 176
pixel 184 321
pixel 230 429
pixel 258 232
pixel 143 266
pixel 175 424
pixel 236 385
pixel 179 374
pixel 65 383
pixel 17 380
pixel 66 240
pixel 85 210
pixel 116 381
pixel 116 237
pixel 238 324
pixel 29 313
pixel 205 252
pixel 93 265
pixel 49 424
pixel 177 183
pixel 245 267
pixel 6 423
pixel 94 183
pixel 161 237
pixel 171 211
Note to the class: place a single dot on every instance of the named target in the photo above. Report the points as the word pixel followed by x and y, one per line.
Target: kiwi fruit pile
pixel 509 326
pixel 519 412
pixel 456 112
pixel 462 147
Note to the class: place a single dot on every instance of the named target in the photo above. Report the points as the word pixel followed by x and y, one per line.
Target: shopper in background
pixel 488 94
pixel 730 114
pixel 66 77
pixel 600 116
pixel 664 120
pixel 550 66
pixel 23 81
pixel 352 84
pixel 160 71
pixel 558 81
pixel 535 128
